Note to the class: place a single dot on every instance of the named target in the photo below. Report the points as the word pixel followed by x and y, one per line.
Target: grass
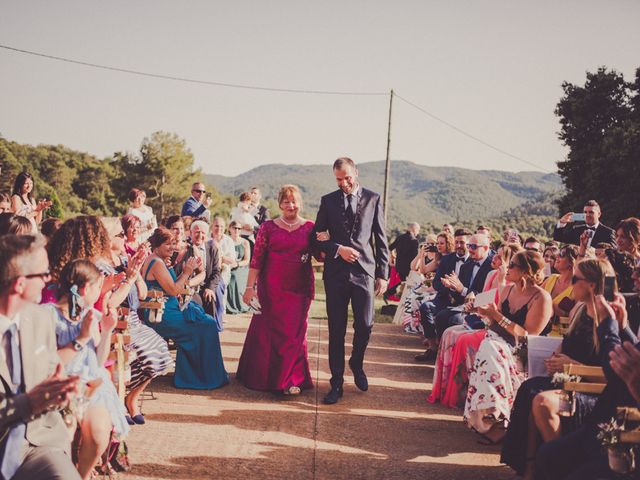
pixel 318 308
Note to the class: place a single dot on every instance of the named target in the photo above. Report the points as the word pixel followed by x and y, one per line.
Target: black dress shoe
pixel 333 396
pixel 427 356
pixel 359 378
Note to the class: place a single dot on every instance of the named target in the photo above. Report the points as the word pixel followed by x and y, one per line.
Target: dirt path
pixel 388 432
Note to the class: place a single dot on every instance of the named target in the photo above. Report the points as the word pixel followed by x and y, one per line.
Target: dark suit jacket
pixel 447 265
pixel 616 394
pixel 191 208
pixel 367 235
pixel 571 232
pixel 212 268
pixel 466 271
pixel 406 247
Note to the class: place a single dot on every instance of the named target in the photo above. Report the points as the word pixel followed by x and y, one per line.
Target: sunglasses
pixel 235 228
pixel 199 191
pixel 43 275
pixel 431 244
pixel 474 246
pixel 120 235
pixel 575 279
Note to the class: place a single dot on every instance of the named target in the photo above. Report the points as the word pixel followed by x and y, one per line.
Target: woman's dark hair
pixel 128 221
pixel 571 251
pixel 50 226
pixel 631 229
pixel 13 224
pixel 245 196
pixel 531 264
pixel 160 235
pixel 169 222
pixel 19 183
pixel 623 265
pixel 78 272
pixel 134 193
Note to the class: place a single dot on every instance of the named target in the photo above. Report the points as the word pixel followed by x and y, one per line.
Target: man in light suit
pixel 34 440
pixel 568 231
pixel 356 268
pixel 197 205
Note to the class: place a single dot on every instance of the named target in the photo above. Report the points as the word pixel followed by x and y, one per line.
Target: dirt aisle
pixel 386 433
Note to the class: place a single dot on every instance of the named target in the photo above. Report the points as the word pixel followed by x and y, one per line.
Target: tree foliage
pixel 600 124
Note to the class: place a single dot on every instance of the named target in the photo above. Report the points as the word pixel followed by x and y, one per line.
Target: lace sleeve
pixel 261 247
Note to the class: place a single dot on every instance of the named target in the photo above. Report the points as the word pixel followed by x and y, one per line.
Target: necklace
pixel 290 225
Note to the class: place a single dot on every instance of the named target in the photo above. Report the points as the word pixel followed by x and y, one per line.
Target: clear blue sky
pixel 493 68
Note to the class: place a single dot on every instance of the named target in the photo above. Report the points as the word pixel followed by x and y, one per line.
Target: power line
pixel 188 80
pixel 473 137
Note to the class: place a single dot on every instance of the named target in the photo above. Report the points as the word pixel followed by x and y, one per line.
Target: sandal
pixel 293 390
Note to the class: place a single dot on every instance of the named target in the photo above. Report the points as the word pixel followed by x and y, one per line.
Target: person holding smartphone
pixel 572 225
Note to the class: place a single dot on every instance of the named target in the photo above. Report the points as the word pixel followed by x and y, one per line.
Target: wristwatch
pixel 77 346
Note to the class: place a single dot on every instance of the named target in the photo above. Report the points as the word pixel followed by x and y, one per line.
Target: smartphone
pixel 578 217
pixel 609 287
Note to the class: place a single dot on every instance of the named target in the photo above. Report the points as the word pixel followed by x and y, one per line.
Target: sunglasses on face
pixel 235 228
pixel 575 279
pixel 199 191
pixel 474 246
pixel 514 265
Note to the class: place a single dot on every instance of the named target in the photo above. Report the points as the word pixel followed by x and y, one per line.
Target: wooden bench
pixel 629 418
pixel 593 379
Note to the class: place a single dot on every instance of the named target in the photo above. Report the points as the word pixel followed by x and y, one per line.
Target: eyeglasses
pixel 44 275
pixel 235 228
pixel 532 249
pixel 474 246
pixel 575 279
pixel 199 191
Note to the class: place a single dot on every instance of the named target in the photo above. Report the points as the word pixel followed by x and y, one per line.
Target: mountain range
pixel 429 195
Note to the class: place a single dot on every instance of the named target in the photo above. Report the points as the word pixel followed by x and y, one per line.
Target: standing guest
pixel 199 363
pixel 533 244
pixel 241 214
pixel 549 256
pixel 274 356
pixel 525 308
pixel 511 235
pixel 197 205
pixel 406 248
pixel 49 227
pixel 5 203
pixel 484 230
pixel 559 285
pixel 568 231
pixel 628 237
pixel 260 212
pixel 36 446
pixel 23 203
pixel 137 207
pixel 227 253
pixel 13 224
pixel 448 228
pixel 356 269
pixel 209 277
pixel 238 279
pixel 152 353
pixel 89 333
pixel 131 227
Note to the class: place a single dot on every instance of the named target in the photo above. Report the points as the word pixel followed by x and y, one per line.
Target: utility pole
pixel 387 166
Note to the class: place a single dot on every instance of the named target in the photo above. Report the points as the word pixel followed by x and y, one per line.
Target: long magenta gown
pixel 274 356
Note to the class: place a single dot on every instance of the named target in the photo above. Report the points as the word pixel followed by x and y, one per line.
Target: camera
pixel 429 248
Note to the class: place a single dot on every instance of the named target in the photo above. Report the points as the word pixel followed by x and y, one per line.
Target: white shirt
pixel 5 351
pixel 226 248
pixel 476 267
pixel 460 262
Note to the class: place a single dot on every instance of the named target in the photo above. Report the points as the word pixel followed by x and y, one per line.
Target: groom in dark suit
pixel 356 268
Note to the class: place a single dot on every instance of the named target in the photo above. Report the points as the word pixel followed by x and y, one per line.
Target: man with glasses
pixel 470 281
pixel 571 226
pixel 33 437
pixel 197 205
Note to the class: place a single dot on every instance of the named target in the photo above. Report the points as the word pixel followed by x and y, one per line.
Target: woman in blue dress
pixel 89 332
pixel 199 363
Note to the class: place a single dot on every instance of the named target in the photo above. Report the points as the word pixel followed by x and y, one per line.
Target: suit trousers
pixel 42 463
pixel 342 289
pixel 428 311
pixel 447 318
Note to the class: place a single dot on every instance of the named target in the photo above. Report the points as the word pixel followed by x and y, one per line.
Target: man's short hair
pixel 462 232
pixel 341 162
pixel 199 223
pixel 592 203
pixel 413 225
pixel 15 255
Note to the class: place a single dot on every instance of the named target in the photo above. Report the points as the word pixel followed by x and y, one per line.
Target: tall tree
pixel 600 123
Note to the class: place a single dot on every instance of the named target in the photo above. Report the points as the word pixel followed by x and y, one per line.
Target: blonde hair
pixel 290 191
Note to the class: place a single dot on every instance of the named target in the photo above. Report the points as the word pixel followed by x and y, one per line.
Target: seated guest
pixel 36 445
pixel 152 353
pixel 471 280
pixel 533 244
pixel 549 255
pixel 13 224
pixel 525 308
pixel 23 203
pixel 197 205
pixel 628 238
pixel 601 250
pixel 459 343
pixel 144 213
pixel 579 455
pixel 241 214
pixel 511 235
pixel 5 203
pixel 50 226
pixel 239 274
pixel 536 410
pixel 559 285
pixel 89 332
pixel 428 257
pixel 199 363
pixel 227 253
pixel 450 263
pixel 568 231
pixel 205 282
pixel 131 228
pixel 176 224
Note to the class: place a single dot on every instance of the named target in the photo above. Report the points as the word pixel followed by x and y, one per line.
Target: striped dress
pixel 152 352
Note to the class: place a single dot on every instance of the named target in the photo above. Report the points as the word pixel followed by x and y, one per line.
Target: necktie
pixel 12 454
pixel 351 216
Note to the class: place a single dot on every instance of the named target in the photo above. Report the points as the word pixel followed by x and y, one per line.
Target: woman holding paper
pixel 536 408
pixel 460 343
pixel 525 308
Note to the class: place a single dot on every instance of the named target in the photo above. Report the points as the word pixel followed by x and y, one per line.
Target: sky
pixel 493 69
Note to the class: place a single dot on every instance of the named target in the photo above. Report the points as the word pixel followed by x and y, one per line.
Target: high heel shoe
pixel 292 390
